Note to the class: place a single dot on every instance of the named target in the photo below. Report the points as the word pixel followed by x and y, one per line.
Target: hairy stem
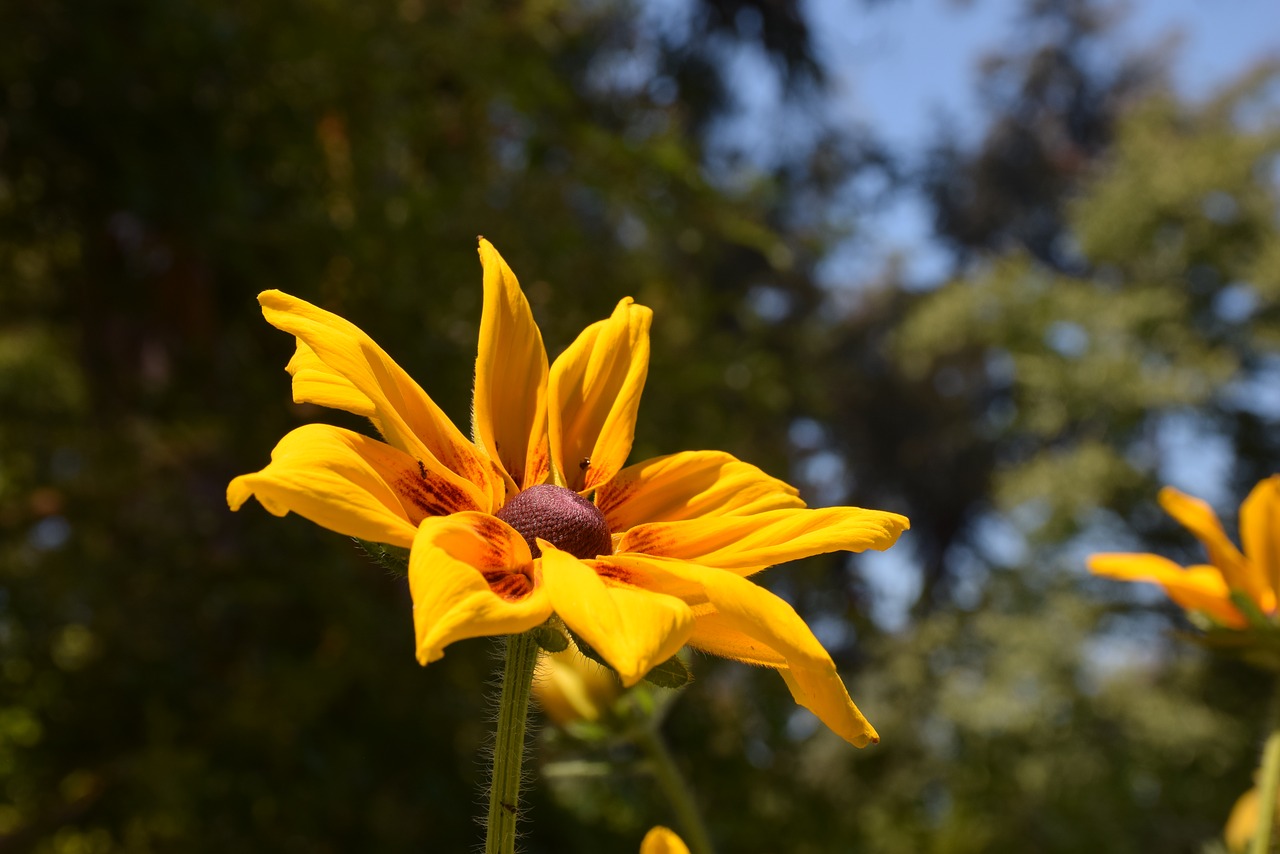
pixel 508 746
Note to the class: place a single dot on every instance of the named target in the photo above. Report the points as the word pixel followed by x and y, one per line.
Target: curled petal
pixel 315 382
pixel 510 412
pixel 754 625
pixel 690 485
pixel 749 543
pixel 348 483
pixel 407 418
pixel 661 840
pixel 595 388
pixel 632 629
pixel 1196 588
pixel 1260 533
pixel 471 575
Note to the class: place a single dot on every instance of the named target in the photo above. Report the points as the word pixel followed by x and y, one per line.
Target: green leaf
pixel 393 559
pixel 1245 604
pixel 672 673
pixel 586 649
pixel 550 638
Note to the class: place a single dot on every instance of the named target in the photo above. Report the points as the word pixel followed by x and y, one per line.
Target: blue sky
pixel 900 66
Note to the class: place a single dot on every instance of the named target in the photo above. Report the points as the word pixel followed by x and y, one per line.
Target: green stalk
pixel 508 746
pixel 675 789
pixel 1268 780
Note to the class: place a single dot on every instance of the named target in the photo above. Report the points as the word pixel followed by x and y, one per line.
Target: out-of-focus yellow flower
pixel 1242 824
pixel 1207 588
pixel 571 687
pixel 662 840
pixel 538 514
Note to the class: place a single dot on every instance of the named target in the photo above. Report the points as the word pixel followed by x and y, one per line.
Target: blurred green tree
pixel 1038 399
pixel 175 678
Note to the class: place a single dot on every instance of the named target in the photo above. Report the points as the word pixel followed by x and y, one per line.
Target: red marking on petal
pixel 614 495
pixel 509 585
pixel 649 541
pixel 611 572
pixel 473 469
pixel 539 468
pixel 430 495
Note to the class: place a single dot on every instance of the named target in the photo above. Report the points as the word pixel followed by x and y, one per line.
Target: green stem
pixel 1269 780
pixel 508 746
pixel 676 790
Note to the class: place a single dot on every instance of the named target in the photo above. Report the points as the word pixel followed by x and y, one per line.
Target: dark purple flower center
pixel 560 516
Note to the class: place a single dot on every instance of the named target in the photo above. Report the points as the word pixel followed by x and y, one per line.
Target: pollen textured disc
pixel 560 516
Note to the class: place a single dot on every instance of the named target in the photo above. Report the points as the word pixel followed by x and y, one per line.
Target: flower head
pixel 662 840
pixel 1208 589
pixel 537 514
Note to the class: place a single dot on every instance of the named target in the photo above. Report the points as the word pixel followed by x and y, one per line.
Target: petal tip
pixel 273 298
pixel 238 492
pixel 1171 498
pixel 427 654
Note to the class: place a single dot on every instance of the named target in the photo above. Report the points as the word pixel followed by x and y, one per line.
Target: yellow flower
pixel 1207 588
pixel 571 687
pixel 536 514
pixel 662 840
pixel 1242 824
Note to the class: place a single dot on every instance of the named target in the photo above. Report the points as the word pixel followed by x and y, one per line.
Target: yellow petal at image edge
pixel 1260 533
pixel 690 485
pixel 335 478
pixel 662 840
pixel 406 416
pixel 631 629
pixel 511 377
pixel 1196 588
pixel 743 608
pixel 595 388
pixel 750 543
pixel 1198 518
pixel 452 600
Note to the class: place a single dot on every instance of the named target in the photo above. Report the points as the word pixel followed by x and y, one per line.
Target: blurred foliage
pixel 177 678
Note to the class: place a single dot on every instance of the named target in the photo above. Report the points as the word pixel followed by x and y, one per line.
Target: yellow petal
pixel 744 609
pixel 1242 823
pixel 690 485
pixel 348 483
pixel 1260 533
pixel 595 388
pixel 408 419
pixel 752 542
pixel 1199 518
pixel 661 840
pixel 713 634
pixel 571 687
pixel 471 575
pixel 314 382
pixel 1196 588
pixel 510 412
pixel 631 628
